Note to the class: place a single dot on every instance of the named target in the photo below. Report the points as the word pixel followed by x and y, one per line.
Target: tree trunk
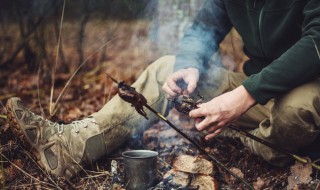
pixel 29 55
pixel 83 24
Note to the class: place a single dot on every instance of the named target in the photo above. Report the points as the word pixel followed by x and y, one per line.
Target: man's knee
pixel 295 116
pixel 160 69
pixel 163 62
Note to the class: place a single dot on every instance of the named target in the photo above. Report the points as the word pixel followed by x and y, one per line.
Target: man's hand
pixel 222 110
pixel 190 76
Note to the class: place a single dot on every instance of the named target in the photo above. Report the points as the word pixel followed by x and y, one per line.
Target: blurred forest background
pixel 49 40
pixel 30 29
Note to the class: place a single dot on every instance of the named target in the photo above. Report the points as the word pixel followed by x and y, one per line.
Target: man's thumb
pixel 191 87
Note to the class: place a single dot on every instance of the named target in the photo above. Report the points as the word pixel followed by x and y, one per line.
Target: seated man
pixel 277 97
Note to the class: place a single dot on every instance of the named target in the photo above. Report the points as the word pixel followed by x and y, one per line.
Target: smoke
pixel 169 19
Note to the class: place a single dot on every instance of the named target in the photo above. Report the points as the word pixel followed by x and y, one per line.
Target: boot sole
pixel 14 124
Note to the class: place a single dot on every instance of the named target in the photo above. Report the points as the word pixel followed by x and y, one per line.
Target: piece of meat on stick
pixel 130 95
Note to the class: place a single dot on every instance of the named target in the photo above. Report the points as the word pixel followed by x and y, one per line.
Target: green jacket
pixel 281 38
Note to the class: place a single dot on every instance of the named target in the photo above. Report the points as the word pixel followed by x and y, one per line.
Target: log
pixel 191 164
pixel 187 180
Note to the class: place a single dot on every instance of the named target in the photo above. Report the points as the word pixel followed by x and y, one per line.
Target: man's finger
pixel 207 122
pixel 212 135
pixel 197 113
pixel 212 129
pixel 173 86
pixel 202 125
pixel 168 90
pixel 191 86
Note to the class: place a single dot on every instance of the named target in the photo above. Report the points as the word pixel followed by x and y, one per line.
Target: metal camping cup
pixel 140 169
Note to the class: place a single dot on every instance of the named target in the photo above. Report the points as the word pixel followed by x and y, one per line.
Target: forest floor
pixel 126 57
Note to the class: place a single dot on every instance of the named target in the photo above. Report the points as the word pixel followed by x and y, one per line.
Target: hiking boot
pixel 60 149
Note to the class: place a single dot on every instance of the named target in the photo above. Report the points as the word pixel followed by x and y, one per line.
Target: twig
pixel 25 152
pixel 98 175
pixel 3 116
pixel 51 107
pixel 2 171
pixel 40 168
pixel 73 75
pixel 317 186
pixel 166 163
pixel 2 105
pixel 25 173
pixel 38 91
pixel 97 172
pixel 74 161
pixel 30 186
pixel 5 96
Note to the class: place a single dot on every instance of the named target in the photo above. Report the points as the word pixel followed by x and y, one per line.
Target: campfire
pixel 184 165
pixel 179 164
pixel 192 172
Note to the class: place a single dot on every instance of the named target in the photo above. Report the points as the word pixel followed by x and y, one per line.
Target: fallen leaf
pixel 259 184
pixel 1 176
pixel 300 174
pixel 12 172
pixel 5 127
pixel 236 171
pixel 117 187
pixel 73 113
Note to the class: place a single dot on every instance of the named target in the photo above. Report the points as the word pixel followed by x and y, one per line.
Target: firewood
pixel 190 164
pixel 186 180
pixel 204 182
pixel 178 178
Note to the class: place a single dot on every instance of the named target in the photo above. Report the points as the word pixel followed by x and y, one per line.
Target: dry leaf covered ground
pixel 127 54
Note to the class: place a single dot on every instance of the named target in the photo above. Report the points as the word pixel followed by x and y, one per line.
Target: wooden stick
pixel 211 157
pixel 272 146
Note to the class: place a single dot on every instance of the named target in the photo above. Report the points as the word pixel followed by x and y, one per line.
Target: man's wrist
pixel 248 99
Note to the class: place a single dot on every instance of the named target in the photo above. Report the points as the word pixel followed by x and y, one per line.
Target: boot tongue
pixel 50 128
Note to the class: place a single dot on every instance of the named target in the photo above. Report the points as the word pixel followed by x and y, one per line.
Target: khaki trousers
pixel 291 122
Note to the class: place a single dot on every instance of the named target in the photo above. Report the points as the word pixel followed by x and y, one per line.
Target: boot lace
pixel 75 125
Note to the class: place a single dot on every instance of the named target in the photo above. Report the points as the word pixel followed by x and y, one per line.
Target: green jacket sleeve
pixel 298 65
